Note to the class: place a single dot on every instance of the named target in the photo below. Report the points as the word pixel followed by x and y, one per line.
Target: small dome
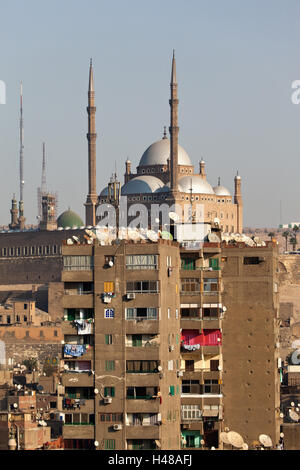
pixel 142 184
pixel 158 153
pixel 197 183
pixel 69 219
pixel 104 192
pixel 221 191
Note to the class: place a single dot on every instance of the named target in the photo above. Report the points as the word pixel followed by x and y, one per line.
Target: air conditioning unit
pixel 117 427
pixel 130 295
pixel 171 348
pixel 107 400
pixel 179 373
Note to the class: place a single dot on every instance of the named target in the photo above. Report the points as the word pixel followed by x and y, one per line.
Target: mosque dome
pixel 221 191
pixel 158 153
pixel 104 191
pixel 198 184
pixel 142 184
pixel 69 219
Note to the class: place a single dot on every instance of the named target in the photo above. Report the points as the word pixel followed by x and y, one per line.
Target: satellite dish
pixel 153 236
pixel 166 235
pixel 295 357
pixel 265 440
pixel 224 308
pixel 296 344
pixel 216 221
pixel 111 263
pixel 76 239
pixel 159 368
pixel 235 439
pixel 15 405
pixel 133 234
pixel 96 391
pixel 245 446
pixel 213 238
pixel 294 416
pixel 70 241
pixel 174 216
pixel 224 437
pixel 96 443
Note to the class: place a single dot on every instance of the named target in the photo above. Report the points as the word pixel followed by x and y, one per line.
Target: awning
pixel 210 413
pixel 158 444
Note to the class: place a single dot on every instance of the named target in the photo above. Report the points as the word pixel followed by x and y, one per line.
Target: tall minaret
pixel 174 129
pixel 92 198
pixel 239 202
pixel 21 201
pixel 43 188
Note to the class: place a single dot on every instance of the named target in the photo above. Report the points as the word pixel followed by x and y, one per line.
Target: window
pixel 251 260
pixel 109 391
pixel 147 313
pixel 214 263
pixel 137 340
pixel 190 285
pixel 109 287
pixel 210 285
pixel 191 386
pixel 188 264
pixel 211 386
pixel 108 339
pixel 78 263
pixel 172 390
pixel 141 367
pixel 210 313
pixel 142 287
pixel 109 313
pixel 189 366
pixel 190 312
pixel 109 444
pixel 109 365
pixel 190 412
pixel 111 417
pixel 18 318
pixel 141 261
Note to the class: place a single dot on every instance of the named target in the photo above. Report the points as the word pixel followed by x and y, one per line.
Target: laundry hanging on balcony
pixel 75 350
pixel 84 327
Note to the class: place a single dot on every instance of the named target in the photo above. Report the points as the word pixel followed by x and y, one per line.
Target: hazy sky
pixel 236 61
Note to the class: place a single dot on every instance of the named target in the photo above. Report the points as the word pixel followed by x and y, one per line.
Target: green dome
pixel 69 219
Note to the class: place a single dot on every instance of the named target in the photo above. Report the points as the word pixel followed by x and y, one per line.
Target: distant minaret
pixel 239 202
pixel 92 198
pixel 42 190
pixel 21 201
pixel 174 129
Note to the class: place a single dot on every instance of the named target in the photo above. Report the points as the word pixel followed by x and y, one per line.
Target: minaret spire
pixel 174 129
pixel 43 183
pixel 91 201
pixel 21 201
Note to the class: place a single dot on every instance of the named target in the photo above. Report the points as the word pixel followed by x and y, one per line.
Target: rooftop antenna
pixel 21 144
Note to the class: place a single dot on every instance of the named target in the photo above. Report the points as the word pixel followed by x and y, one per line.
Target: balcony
pixel 85 405
pixel 147 432
pixel 143 352
pixel 76 300
pixel 78 431
pixel 142 326
pixel 77 379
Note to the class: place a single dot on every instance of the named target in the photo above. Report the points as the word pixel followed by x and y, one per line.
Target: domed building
pixel 69 219
pixel 165 174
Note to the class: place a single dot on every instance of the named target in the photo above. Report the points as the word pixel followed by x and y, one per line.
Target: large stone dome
pixel 158 153
pixel 69 219
pixel 142 184
pixel 198 184
pixel 221 191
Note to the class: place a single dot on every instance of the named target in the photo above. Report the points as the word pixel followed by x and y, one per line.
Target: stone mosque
pixel 165 174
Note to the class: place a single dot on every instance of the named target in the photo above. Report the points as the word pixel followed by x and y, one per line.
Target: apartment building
pixel 122 346
pixel 158 335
